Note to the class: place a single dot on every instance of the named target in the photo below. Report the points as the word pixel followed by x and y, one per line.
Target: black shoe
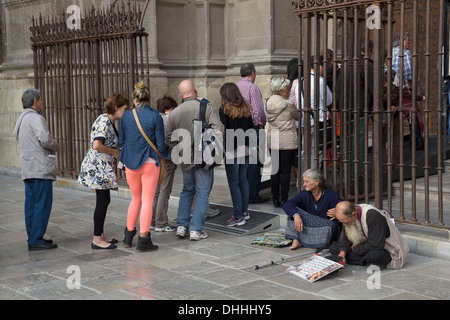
pixel 276 203
pixel 114 241
pixel 48 240
pixel 111 246
pixel 43 246
pixel 129 235
pixel 145 244
pixel 258 199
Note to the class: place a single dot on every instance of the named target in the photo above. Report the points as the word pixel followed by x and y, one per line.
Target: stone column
pixel 264 33
pixel 191 44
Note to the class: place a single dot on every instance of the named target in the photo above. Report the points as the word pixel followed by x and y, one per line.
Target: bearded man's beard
pixel 355 233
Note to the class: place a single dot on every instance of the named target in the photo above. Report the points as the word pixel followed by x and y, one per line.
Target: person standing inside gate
pixel 37 152
pixel 322 120
pixel 196 181
pixel 252 96
pixel 407 59
pixel 407 83
pixel 98 169
pixel 142 164
pixel 235 115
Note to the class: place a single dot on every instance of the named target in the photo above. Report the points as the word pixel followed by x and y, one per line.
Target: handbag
pixel 163 170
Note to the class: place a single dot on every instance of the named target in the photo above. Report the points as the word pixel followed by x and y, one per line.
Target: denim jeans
pixel 38 205
pixel 238 184
pixel 198 183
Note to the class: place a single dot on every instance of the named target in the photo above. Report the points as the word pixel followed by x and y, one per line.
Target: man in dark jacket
pixel 364 240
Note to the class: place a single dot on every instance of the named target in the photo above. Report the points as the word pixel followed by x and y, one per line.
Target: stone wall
pixel 203 40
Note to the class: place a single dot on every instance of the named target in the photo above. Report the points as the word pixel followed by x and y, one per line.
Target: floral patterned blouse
pixel 98 170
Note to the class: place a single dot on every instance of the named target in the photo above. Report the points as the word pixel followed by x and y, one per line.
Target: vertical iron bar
pixel 356 116
pixel 390 117
pixel 400 116
pixel 414 114
pixel 307 93
pixel 367 57
pixel 426 167
pixel 316 111
pixel 347 120
pixel 440 167
pixel 377 119
pixel 300 107
pixel 335 111
pixel 326 102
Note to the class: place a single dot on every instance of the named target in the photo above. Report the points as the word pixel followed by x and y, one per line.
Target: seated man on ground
pixel 369 238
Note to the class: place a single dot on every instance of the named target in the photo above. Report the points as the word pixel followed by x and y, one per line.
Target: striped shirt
pixel 251 94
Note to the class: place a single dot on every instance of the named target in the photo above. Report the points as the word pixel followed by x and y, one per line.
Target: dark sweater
pixel 305 201
pixel 378 230
pixel 234 124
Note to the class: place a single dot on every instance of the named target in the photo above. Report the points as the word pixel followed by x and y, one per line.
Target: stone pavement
pixel 217 268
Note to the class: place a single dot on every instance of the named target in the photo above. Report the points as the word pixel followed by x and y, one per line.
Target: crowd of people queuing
pixel 148 138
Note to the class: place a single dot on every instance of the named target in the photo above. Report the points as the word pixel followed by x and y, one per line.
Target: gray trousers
pixel 162 195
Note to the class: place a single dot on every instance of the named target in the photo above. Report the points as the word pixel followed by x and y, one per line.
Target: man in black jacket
pixel 364 238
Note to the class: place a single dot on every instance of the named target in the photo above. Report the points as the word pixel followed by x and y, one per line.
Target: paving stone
pixel 217 268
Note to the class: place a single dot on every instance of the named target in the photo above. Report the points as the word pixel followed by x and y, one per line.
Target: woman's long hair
pixel 233 104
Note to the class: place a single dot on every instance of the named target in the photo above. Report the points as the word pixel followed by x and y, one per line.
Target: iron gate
pixel 78 69
pixel 361 162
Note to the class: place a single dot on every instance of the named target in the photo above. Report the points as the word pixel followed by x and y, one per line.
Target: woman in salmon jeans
pixel 142 165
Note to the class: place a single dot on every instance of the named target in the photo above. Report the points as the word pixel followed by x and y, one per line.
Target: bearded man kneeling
pixel 370 237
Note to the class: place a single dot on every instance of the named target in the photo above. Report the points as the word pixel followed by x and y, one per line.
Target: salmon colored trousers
pixel 142 183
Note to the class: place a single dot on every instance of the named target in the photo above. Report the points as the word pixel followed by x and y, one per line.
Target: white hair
pixel 279 83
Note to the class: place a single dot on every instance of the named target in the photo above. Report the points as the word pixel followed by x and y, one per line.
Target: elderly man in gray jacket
pixel 37 153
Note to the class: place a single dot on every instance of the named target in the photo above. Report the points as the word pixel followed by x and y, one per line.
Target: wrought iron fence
pixel 369 144
pixel 78 69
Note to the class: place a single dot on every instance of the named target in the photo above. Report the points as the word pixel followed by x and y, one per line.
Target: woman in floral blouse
pixel 98 170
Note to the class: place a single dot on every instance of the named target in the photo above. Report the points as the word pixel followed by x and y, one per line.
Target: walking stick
pixel 271 263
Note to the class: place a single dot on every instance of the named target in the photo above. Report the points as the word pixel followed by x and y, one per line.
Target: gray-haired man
pixel 37 153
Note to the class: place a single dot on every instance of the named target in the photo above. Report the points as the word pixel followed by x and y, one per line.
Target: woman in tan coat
pixel 281 114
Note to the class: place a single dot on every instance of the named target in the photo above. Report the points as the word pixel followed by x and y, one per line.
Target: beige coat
pixel 395 244
pixel 281 115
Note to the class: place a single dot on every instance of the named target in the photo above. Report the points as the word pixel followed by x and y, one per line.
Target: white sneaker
pixel 167 228
pixel 181 231
pixel 198 235
pixel 246 215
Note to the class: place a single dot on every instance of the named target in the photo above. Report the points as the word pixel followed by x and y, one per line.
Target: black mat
pixel 259 222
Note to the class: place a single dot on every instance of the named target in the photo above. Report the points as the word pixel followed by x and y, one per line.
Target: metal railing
pixel 78 69
pixel 374 148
